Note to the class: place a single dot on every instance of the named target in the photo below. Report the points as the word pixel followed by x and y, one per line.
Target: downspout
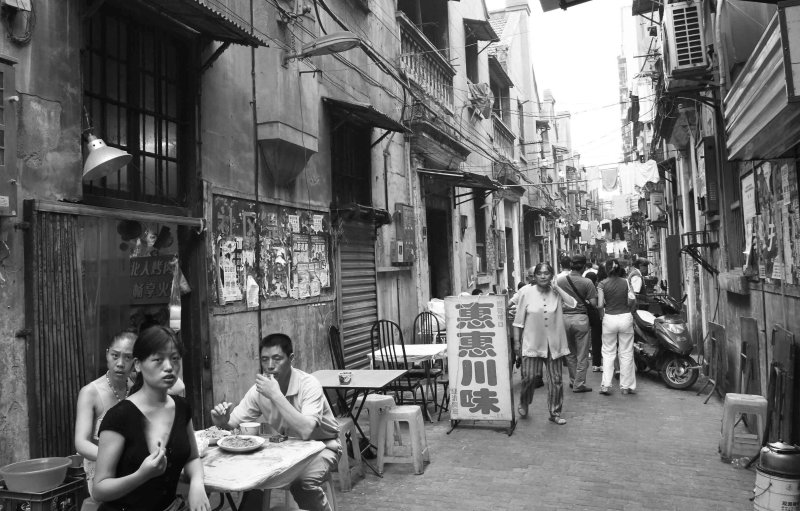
pixel 386 155
pixel 255 159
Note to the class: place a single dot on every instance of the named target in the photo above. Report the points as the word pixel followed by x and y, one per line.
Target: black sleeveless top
pixel 157 493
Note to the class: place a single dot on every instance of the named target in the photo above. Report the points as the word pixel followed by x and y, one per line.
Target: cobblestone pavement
pixel 654 450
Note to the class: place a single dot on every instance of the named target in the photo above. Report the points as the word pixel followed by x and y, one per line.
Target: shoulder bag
pixel 594 314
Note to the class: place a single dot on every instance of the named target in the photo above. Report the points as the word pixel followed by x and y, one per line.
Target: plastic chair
pixel 390 442
pixel 733 444
pixel 387 338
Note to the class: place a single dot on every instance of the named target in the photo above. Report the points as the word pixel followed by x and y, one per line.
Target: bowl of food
pixel 213 434
pixel 35 476
pixel 240 443
pixel 250 428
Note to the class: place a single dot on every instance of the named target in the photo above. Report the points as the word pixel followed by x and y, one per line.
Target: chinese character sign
pixel 477 352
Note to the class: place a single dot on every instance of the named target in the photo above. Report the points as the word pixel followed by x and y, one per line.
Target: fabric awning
pixel 461 178
pixel 496 70
pixel 210 18
pixel 551 5
pixel 481 29
pixel 365 114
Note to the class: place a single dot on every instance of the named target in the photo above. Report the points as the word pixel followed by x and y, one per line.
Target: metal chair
pixel 337 359
pixel 387 338
pixel 427 331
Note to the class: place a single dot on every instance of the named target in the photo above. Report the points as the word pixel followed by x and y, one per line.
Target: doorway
pixel 510 269
pixel 439 253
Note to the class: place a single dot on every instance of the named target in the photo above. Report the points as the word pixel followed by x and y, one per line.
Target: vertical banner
pixel 478 357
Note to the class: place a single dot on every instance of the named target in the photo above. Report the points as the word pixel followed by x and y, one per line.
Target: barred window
pixel 137 98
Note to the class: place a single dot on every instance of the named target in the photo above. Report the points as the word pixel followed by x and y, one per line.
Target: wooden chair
pixel 387 338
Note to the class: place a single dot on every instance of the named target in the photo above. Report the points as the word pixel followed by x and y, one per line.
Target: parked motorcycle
pixel 662 342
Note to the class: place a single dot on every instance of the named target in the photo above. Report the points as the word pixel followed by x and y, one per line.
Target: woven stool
pixel 375 405
pixel 733 445
pixel 345 469
pixel 390 442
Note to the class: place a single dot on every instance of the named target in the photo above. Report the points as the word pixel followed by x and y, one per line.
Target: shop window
pixel 137 97
pixel 350 162
pixel 479 210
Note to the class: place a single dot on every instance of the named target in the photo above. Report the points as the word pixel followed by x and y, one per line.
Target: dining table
pixel 362 382
pixel 272 466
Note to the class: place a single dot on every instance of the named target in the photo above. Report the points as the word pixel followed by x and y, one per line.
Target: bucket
pixel 775 493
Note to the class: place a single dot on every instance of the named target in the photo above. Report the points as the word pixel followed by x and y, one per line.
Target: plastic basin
pixel 36 475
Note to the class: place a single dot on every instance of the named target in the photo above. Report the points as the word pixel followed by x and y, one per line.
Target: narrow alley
pixel 653 450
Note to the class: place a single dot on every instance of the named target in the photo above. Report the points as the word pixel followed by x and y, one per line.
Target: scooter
pixel 663 343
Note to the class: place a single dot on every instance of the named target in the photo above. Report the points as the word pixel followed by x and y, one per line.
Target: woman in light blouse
pixel 540 339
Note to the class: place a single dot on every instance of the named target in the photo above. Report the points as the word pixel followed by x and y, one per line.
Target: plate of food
pixel 240 443
pixel 213 434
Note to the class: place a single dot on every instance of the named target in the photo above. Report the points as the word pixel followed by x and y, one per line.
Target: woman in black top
pixel 148 439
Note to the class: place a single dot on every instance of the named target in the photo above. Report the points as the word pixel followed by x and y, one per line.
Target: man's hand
pixel 267 386
pixel 221 414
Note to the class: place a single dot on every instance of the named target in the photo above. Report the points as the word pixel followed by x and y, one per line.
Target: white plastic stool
pixel 375 405
pixel 390 443
pixel 345 470
pixel 733 445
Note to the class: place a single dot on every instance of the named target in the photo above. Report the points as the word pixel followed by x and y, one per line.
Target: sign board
pixel 478 357
pixel 151 279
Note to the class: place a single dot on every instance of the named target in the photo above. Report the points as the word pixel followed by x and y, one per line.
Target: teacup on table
pixel 345 377
pixel 250 428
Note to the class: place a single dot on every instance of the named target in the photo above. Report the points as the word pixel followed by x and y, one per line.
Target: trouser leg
pixel 597 344
pixel 307 489
pixel 572 357
pixel 627 367
pixel 609 348
pixel 528 372
pixel 580 332
pixel 555 386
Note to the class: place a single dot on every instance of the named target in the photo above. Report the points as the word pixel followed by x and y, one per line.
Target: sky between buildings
pixel 575 56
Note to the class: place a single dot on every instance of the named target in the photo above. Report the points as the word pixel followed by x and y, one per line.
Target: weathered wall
pixel 48 166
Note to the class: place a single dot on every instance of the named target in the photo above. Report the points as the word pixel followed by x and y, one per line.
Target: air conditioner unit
pixel 683 45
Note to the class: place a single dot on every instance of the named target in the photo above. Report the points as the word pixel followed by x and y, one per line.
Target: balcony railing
pixel 424 64
pixel 503 138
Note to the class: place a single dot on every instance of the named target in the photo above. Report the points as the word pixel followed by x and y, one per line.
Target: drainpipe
pixel 386 155
pixel 255 157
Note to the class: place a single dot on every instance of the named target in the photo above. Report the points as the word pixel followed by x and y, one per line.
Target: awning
pixel 211 21
pixel 496 71
pixel 461 178
pixel 365 114
pixel 551 5
pixel 481 29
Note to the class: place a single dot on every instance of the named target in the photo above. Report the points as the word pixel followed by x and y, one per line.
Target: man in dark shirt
pixel 576 322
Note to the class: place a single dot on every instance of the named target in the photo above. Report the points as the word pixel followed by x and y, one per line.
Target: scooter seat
pixel 646 317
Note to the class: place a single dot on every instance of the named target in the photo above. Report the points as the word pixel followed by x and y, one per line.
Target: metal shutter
pixel 358 290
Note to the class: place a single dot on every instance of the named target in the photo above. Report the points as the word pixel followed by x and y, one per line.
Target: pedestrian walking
pixel 616 297
pixel 540 339
pixel 576 322
pixel 596 324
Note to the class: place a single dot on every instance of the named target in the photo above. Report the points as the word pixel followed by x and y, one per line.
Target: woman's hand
pixel 198 500
pixel 155 464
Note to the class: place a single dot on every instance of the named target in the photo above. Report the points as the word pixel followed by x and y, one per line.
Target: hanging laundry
pixel 610 179
pixel 646 172
pixel 620 206
pixel 627 177
pixel 617 233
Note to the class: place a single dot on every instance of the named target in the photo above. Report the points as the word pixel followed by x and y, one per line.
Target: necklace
pixel 115 390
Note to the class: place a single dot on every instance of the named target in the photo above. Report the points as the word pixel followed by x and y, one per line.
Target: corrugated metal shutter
pixel 55 318
pixel 358 290
pixel 674 277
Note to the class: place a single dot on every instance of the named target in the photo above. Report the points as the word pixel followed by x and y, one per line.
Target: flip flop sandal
pixel 523 412
pixel 558 420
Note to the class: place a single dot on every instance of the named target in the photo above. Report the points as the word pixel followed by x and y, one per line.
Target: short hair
pixel 542 265
pixel 565 261
pixel 578 263
pixel 614 268
pixel 520 285
pixel 477 291
pixel 283 341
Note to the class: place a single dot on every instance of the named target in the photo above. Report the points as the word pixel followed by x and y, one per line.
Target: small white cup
pixel 345 377
pixel 250 428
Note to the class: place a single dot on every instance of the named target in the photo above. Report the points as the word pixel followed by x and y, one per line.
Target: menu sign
pixel 478 357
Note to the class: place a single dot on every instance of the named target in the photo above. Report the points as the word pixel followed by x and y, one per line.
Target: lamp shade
pixel 102 160
pixel 335 42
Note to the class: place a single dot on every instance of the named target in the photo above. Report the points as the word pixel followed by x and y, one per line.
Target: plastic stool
pixel 375 405
pixel 347 427
pixel 733 445
pixel 390 442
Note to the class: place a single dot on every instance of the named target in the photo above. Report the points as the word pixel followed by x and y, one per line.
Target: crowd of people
pixel 582 314
pixel 134 428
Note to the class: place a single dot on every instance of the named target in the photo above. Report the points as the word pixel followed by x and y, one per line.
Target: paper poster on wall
pixel 748 213
pixel 478 357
